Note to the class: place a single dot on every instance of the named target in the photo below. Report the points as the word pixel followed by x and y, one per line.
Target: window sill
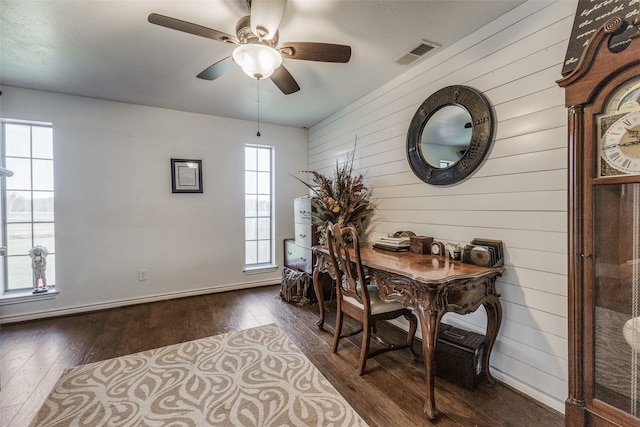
pixel 260 269
pixel 26 296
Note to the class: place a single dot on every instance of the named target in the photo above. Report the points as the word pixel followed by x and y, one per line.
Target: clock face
pixel 619 132
pixel 436 249
pixel 620 148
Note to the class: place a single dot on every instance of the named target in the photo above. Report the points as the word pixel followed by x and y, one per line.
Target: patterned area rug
pixel 255 377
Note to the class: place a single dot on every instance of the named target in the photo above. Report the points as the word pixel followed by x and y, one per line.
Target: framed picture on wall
pixel 186 176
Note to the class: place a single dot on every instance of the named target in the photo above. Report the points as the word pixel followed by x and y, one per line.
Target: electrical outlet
pixel 142 274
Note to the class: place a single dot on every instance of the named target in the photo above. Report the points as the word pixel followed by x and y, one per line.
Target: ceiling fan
pixel 257 45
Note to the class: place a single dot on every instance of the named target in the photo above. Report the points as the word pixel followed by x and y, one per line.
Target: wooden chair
pixel 358 298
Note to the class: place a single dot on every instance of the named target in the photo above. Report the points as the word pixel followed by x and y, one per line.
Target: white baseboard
pixel 43 314
pixel 534 393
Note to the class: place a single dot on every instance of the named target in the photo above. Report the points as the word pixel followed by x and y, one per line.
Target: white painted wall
pixel 519 195
pixel 115 212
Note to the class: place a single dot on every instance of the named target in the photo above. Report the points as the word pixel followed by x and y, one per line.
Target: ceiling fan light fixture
pixel 257 60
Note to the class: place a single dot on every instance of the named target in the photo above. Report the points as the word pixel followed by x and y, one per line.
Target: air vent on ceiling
pixel 416 52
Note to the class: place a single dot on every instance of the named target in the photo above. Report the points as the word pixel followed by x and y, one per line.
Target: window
pixel 258 206
pixel 27 202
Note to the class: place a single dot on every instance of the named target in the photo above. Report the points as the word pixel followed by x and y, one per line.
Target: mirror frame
pixel 478 107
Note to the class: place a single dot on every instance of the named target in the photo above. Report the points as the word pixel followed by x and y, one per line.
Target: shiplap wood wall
pixel 518 195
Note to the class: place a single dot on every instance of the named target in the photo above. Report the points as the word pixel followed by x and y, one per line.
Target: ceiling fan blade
pixel 323 52
pixel 266 16
pixel 284 80
pixel 191 28
pixel 218 69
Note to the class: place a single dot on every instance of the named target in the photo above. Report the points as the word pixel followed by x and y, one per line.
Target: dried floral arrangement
pixel 340 199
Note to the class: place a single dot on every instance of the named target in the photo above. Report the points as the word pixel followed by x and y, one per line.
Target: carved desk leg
pixel 318 288
pixel 494 318
pixel 323 265
pixel 423 302
pixel 464 297
pixel 429 327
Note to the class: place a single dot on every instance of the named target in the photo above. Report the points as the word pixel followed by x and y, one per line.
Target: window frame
pixel 33 223
pixel 271 263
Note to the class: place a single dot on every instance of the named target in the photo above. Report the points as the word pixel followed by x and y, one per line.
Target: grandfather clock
pixel 603 98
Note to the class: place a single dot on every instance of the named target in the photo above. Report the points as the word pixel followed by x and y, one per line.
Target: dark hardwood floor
pixel 390 393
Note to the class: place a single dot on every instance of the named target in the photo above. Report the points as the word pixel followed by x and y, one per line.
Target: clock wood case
pixel 437 248
pixel 602 96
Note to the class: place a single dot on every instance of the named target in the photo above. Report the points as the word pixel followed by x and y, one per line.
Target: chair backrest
pixel 343 244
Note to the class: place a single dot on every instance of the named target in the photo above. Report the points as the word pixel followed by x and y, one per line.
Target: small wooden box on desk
pixel 297 252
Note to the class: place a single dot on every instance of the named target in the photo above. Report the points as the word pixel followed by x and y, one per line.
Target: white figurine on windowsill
pixel 38 256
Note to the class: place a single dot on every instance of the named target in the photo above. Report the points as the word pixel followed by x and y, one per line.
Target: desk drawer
pixel 303 235
pixel 302 210
pixel 297 257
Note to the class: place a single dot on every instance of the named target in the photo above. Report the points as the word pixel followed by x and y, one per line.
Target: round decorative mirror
pixel 449 135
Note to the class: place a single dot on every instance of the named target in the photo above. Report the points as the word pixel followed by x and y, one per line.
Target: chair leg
pixel 338 330
pixel 413 326
pixel 364 351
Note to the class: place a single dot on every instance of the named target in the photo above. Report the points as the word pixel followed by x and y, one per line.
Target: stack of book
pixel 393 243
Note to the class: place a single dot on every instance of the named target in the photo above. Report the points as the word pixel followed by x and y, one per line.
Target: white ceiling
pixel 107 49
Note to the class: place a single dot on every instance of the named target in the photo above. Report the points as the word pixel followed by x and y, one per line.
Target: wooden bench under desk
pixel 431 286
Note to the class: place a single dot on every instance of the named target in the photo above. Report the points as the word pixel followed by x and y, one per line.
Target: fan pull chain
pixel 258 134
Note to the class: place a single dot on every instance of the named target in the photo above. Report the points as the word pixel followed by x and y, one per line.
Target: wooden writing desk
pixel 431 286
